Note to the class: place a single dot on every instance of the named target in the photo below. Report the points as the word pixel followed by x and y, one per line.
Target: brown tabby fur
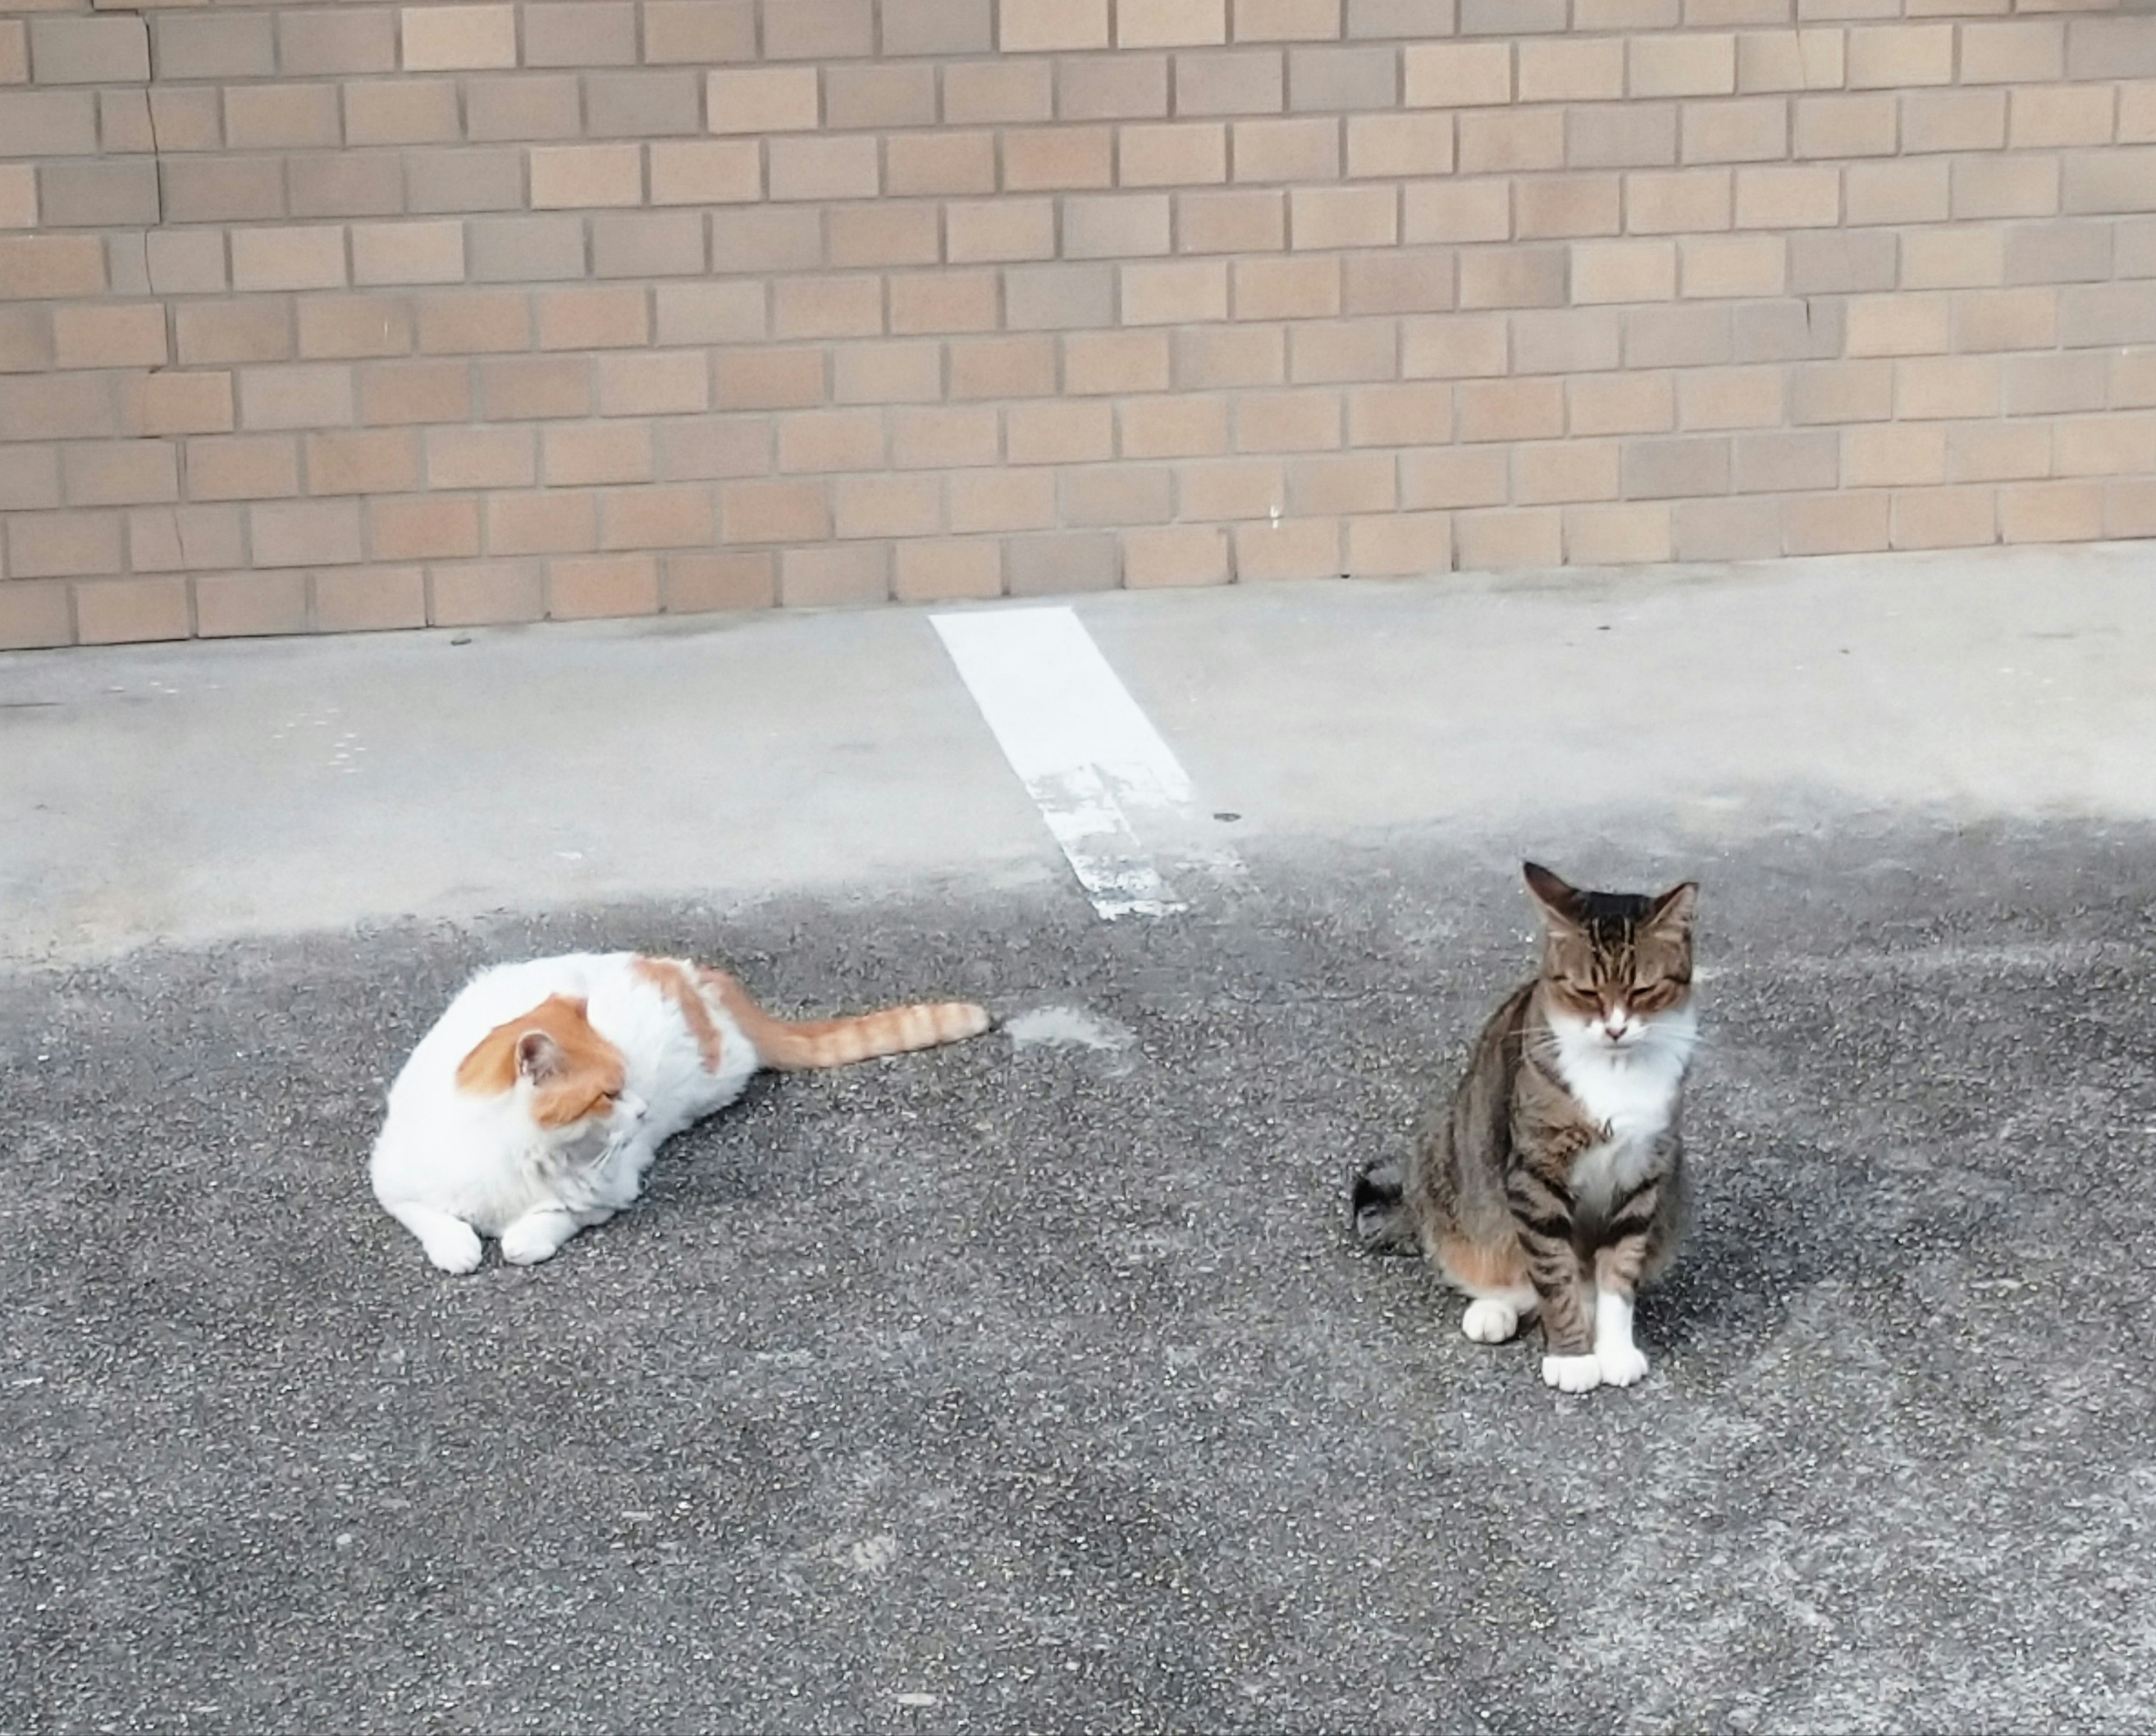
pixel 1488 1192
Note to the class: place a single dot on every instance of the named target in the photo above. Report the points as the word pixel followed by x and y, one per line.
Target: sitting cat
pixel 1552 1179
pixel 533 1108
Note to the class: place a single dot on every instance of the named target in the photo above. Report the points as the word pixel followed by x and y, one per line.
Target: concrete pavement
pixel 1032 1383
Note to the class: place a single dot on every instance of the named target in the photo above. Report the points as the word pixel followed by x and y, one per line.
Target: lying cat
pixel 1552 1180
pixel 533 1108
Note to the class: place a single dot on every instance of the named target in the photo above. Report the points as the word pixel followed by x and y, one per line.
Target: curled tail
pixel 789 1047
pixel 1378 1209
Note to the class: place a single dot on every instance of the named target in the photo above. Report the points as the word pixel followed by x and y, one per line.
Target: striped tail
pixel 790 1047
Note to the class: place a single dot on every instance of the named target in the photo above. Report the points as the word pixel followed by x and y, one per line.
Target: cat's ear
pixel 1560 901
pixel 539 1057
pixel 1672 913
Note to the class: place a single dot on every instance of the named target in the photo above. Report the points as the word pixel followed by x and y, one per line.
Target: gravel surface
pixel 1033 1384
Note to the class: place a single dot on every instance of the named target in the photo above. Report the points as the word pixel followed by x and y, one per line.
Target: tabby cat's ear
pixel 1558 901
pixel 1673 911
pixel 539 1057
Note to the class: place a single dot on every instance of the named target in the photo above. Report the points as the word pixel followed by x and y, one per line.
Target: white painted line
pixel 1078 742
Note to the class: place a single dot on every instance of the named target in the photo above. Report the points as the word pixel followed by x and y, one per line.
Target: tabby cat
pixel 1552 1180
pixel 533 1108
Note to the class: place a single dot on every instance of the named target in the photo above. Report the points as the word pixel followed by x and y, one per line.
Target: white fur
pixel 1615 1355
pixel 1494 1317
pixel 1572 1374
pixel 452 1166
pixel 1627 1080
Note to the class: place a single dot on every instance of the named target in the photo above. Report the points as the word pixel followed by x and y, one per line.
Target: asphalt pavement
pixel 1034 1383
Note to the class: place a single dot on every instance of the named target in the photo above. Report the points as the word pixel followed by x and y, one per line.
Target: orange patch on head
pixel 575 1072
pixel 672 980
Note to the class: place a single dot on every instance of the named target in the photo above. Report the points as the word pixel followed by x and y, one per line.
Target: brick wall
pixel 337 315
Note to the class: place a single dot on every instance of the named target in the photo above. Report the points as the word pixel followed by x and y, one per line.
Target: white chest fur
pixel 1631 1091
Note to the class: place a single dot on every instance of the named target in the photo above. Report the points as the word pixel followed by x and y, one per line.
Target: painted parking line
pixel 1087 754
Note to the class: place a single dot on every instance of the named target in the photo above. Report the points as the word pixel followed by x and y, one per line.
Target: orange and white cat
pixel 534 1106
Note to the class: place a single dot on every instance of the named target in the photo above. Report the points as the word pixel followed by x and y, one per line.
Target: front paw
pixel 455 1251
pixel 1488 1320
pixel 1621 1365
pixel 1573 1374
pixel 527 1244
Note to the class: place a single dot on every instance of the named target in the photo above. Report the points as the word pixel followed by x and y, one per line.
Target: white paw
pixel 1621 1365
pixel 456 1251
pixel 524 1244
pixel 1489 1321
pixel 1572 1374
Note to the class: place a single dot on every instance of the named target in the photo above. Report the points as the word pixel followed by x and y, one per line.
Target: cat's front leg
pixel 1542 1210
pixel 1617 1268
pixel 451 1244
pixel 538 1235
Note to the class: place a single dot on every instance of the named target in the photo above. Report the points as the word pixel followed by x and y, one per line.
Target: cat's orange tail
pixel 789 1047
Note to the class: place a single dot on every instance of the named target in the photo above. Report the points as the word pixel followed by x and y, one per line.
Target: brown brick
pixel 1894 456
pixel 1355 482
pixel 423 527
pixel 1395 146
pixel 711 172
pixel 184 539
pixel 944 302
pixel 523 108
pixel 1660 468
pixel 1618 536
pixel 1614 135
pixel 1997 451
pixel 1055 298
pixel 168 403
pixel 1458 74
pixel 1238 488
pixel 1207 358
pixel 565 176
pixel 1185 291
pixel 1731 529
pixel 1115 361
pixel 485 593
pixel 834 577
pixel 1181 426
pixel 97 195
pixel 827 307
pixel 491 179
pixel 743 379
pixel 1285 20
pixel 1439 211
pixel 1252 222
pixel 940 162
pixel 1504 140
pixel 648 243
pixel 703 448
pixel 2129 509
pixel 316 395
pixel 680 515
pixel 1412 414
pixel 474 322
pixel 1341 217
pixel 1244 82
pixel 62 545
pixel 126 611
pixel 1502 541
pixel 1287 288
pixel 946 437
pixel 1116 226
pixel 330 41
pixel 1042 158
pixel 18 201
pixel 1569 341
pixel 1791 60
pixel 700 583
pixel 883 96
pixel 1176 555
pixel 369 599
pixel 939 27
pixel 1112 87
pixel 593 317
pixel 1032 27
pixel 402 111
pixel 2115 444
pixel 1063 431
pixel 242 468
pixel 701 32
pixel 1987 320
pixel 1701 64
pixel 1576 69
pixel 774 512
pixel 216 190
pixel 271 117
pixel 2051 512
pixel 1338 352
pixel 1944 517
pixel 304 533
pixel 480 458
pixel 106 335
pixel 887 507
pixel 1400 544
pixel 1444 348
pixel 592 32
pixel 439 38
pixel 1620 403
pixel 204 45
pixel 1513 277
pixel 1397 281
pixel 351 183
pixel 120 473
pixel 977 93
pixel 763 99
pixel 1000 229
pixel 1288 548
pixel 553 521
pixel 579 454
pixel 1172 23
pixel 372 461
pixel 517 388
pixel 90 50
pixel 522 249
pixel 1860 125
pixel 1288 421
pixel 1835 523
pixel 831 440
pixel 598 588
pixel 37 267
pixel 888 373
pixel 47 123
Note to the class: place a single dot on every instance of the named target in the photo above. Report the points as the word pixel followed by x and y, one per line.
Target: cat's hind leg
pixel 451 1244
pixel 1496 1281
